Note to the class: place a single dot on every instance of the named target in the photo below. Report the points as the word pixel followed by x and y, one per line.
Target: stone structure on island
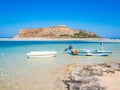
pixel 61 31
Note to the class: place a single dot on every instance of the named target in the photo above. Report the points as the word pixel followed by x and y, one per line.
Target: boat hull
pixel 42 54
pixel 92 53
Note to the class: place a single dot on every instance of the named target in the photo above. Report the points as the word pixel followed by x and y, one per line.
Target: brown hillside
pixel 55 32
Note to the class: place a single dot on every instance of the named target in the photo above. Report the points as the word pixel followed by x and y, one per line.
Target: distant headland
pixel 55 32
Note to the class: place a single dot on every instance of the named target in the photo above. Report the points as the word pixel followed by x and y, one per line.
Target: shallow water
pixel 18 72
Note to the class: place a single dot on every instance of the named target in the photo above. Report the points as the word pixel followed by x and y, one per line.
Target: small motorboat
pixel 42 54
pixel 87 52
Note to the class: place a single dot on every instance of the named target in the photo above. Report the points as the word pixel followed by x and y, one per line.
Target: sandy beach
pixel 52 79
pixel 111 81
pixel 55 78
pixel 60 45
pixel 61 39
pixel 108 77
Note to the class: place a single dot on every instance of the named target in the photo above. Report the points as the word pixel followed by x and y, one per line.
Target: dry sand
pixel 111 80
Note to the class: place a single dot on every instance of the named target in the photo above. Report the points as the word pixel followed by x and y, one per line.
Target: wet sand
pixel 47 79
pixel 53 79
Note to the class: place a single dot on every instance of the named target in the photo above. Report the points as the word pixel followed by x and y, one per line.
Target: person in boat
pixel 69 48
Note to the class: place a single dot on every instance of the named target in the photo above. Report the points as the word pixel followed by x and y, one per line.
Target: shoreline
pixel 70 76
pixel 62 39
pixel 55 78
pixel 94 77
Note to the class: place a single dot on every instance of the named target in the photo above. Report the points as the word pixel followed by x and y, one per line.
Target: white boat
pixel 42 54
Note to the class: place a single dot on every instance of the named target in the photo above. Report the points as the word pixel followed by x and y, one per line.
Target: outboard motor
pixel 69 48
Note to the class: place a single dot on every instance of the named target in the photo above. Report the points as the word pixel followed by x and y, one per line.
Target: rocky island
pixel 61 31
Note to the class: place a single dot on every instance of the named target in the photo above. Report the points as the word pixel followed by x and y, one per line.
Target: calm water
pixel 16 70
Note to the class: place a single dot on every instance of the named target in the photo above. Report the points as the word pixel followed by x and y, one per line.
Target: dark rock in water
pixel 76 85
pixel 86 78
pixel 104 65
pixel 100 68
pixel 95 70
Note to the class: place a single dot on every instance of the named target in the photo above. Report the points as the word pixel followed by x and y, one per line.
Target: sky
pixel 100 16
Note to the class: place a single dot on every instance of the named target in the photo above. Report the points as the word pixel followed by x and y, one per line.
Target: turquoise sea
pixel 18 72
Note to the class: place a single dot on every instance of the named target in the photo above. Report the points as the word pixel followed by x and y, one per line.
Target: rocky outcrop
pixel 61 31
pixel 87 77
